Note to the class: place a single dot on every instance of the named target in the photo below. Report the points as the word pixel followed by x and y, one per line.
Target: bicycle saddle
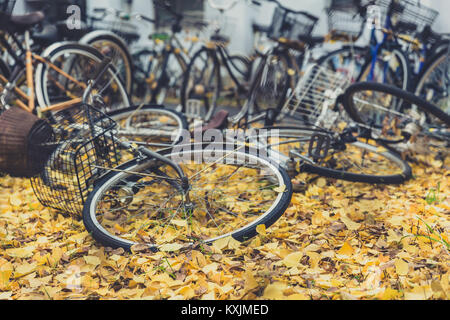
pixel 26 21
pixel 311 40
pixel 220 38
pixel 218 122
pixel 260 28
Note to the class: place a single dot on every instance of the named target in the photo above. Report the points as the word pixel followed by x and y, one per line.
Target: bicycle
pixel 52 80
pixel 313 135
pixel 387 60
pixel 159 70
pixel 202 89
pixel 185 195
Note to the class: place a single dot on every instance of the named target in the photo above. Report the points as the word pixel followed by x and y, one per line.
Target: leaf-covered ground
pixel 337 240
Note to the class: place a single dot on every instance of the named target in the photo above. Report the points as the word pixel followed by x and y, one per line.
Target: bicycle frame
pixel 30 59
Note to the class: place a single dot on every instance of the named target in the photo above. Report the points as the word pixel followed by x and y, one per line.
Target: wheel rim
pixel 211 218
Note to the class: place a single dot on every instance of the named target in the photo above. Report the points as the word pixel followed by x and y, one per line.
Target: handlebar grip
pixel 256 3
pixel 147 19
pixel 99 10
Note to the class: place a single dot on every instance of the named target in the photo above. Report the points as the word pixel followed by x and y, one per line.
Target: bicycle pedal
pixel 319 145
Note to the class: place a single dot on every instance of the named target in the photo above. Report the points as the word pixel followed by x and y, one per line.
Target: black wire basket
pixel 345 19
pixel 290 26
pixel 405 12
pixel 83 148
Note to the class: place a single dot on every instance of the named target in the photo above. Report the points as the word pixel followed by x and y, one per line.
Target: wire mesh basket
pixel 344 18
pixel 290 26
pixel 83 145
pixel 403 12
pixel 314 98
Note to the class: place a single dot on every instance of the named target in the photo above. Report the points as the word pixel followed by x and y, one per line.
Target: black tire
pixel 402 81
pixel 144 62
pixel 434 80
pixel 261 94
pixel 114 178
pixel 188 92
pixel 410 98
pixel 118 97
pixel 100 40
pixel 286 136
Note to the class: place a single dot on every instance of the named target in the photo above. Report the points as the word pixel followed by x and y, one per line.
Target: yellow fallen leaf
pixel 298 296
pixel 24 269
pixel 346 249
pixel 92 260
pixel 171 247
pixel 292 260
pixel 350 224
pixel 401 267
pixel 24 252
pixel 261 229
pixel 274 291
pixel 280 189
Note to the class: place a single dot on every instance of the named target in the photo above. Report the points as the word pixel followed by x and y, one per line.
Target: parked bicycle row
pixel 67 119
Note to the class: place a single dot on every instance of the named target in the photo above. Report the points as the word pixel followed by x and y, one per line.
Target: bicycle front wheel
pixel 230 193
pixel 393 115
pixel 356 162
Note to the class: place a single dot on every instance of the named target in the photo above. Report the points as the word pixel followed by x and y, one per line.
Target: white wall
pixel 241 17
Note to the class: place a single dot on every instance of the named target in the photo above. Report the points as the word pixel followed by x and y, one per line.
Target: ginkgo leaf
pixel 261 229
pixel 401 267
pixel 346 250
pixel 280 189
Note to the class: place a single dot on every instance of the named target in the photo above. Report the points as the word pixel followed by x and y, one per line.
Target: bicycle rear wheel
pixel 70 67
pixel 351 161
pixel 231 193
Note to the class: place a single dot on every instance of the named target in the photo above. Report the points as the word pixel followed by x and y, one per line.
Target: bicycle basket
pixel 83 145
pixel 314 97
pixel 290 26
pixel 404 12
pixel 344 19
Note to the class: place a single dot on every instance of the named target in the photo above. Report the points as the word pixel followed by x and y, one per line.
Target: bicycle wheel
pixel 272 82
pixel 350 161
pixel 152 126
pixel 393 115
pixel 391 67
pixel 145 63
pixel 201 85
pixel 348 61
pixel 231 192
pixel 434 83
pixel 111 45
pixel 69 67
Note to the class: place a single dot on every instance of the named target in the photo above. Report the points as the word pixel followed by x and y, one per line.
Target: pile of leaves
pixel 337 240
